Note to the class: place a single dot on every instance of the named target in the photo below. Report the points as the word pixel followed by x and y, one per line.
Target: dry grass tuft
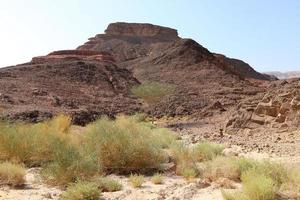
pixel 157 179
pixel 136 180
pixel 108 185
pixel 81 191
pixel 12 174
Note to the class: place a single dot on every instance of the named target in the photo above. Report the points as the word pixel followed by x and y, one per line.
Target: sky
pixel 263 33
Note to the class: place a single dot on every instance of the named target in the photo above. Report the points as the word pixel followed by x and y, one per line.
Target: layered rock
pixel 65 55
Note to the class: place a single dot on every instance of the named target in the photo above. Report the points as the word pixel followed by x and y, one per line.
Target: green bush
pixel 153 91
pixel 11 174
pixel 205 151
pixel 124 145
pixel 81 191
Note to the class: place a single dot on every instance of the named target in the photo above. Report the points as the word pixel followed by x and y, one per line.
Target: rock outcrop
pixel 278 107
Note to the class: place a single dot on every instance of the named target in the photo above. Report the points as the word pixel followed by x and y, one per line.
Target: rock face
pixel 83 84
pixel 278 107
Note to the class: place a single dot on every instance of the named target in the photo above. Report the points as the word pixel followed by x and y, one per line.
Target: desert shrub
pixel 261 180
pixel 157 179
pixel 221 167
pixel 108 185
pixel 164 137
pixel 227 167
pixel 81 191
pixel 31 144
pixel 11 174
pixel 153 91
pixel 124 145
pixel 276 171
pixel 206 151
pixel 258 186
pixel 70 164
pixel 183 157
pixel 136 180
pixel 255 187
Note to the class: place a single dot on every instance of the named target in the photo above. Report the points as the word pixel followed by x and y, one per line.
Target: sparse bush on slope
pixel 152 92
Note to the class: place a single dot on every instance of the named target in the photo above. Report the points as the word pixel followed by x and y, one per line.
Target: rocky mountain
pixel 155 53
pixel 285 75
pixel 95 79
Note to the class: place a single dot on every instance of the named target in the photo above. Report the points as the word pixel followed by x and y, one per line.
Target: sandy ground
pixel 173 188
pixel 33 190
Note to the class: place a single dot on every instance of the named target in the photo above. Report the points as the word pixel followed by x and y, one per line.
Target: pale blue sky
pixel 264 33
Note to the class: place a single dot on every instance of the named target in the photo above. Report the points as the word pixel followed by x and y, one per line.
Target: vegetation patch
pixel 153 92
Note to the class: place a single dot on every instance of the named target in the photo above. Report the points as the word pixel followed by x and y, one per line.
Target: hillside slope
pixel 84 84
